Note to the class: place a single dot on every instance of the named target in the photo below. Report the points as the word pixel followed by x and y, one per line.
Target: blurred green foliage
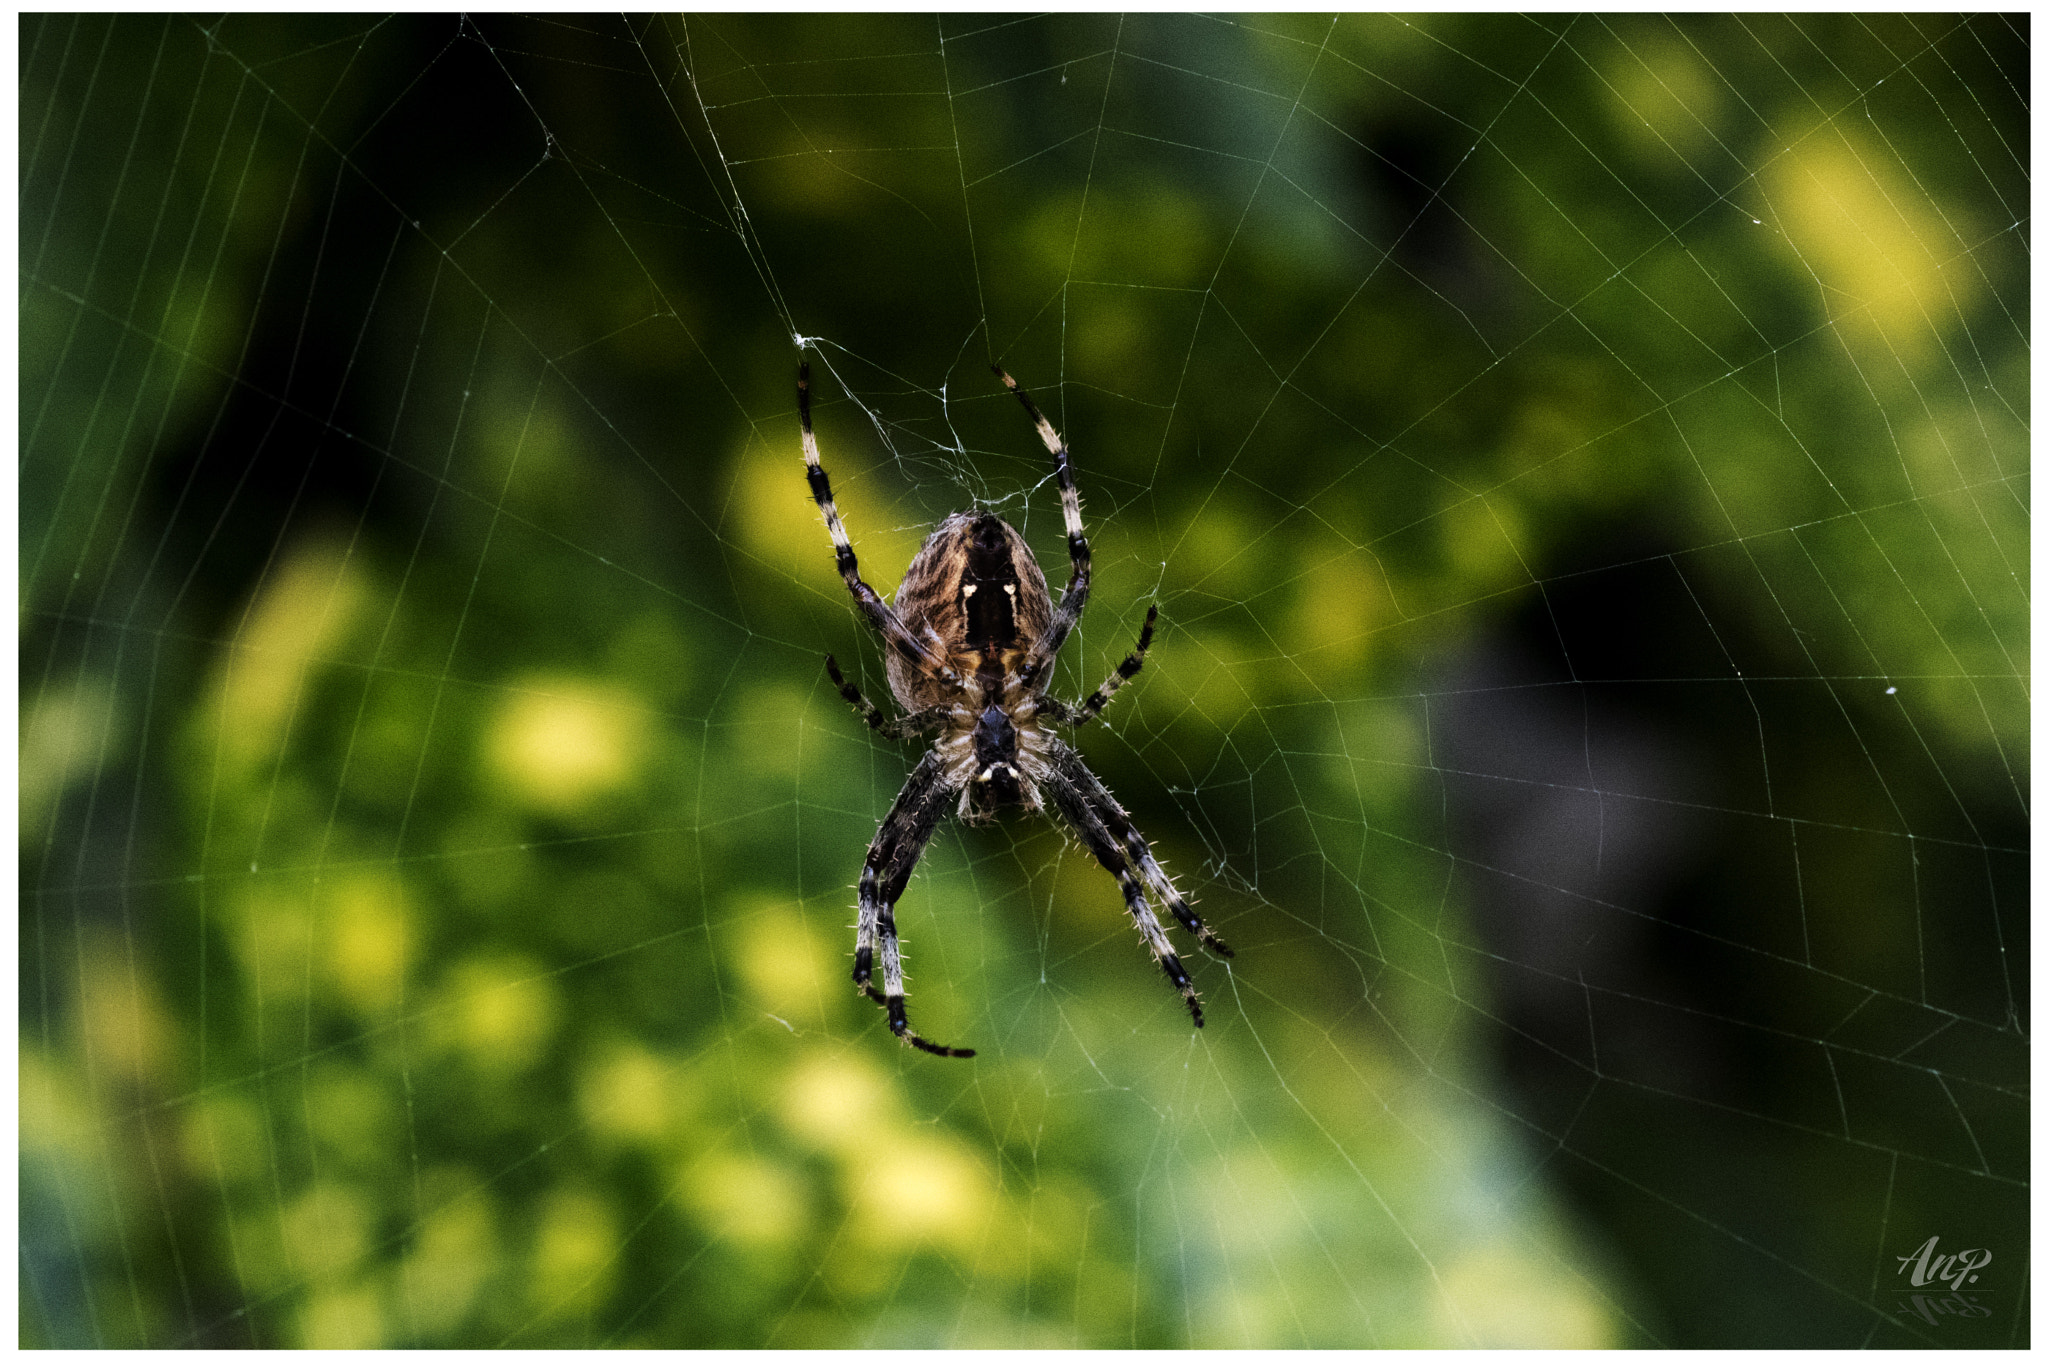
pixel 437 827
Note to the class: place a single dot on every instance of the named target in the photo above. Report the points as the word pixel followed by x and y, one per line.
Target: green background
pixel 1582 468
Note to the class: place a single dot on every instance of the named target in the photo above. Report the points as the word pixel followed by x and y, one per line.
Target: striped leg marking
pixel 898 843
pixel 1125 670
pixel 1136 849
pixel 1091 813
pixel 866 597
pixel 1076 595
pixel 1155 875
pixel 891 729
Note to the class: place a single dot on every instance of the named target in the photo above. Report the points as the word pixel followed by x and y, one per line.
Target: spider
pixel 970 645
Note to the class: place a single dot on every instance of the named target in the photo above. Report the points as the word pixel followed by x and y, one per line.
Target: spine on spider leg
pixel 1130 843
pixel 891 996
pixel 1070 498
pixel 1148 868
pixel 1162 884
pixel 1148 928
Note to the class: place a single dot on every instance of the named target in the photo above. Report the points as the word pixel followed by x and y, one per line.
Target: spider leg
pixel 898 843
pixel 1059 711
pixel 1076 715
pixel 1100 824
pixel 1067 762
pixel 1068 612
pixel 870 601
pixel 892 729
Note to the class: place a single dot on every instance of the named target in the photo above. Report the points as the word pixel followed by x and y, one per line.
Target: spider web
pixel 1581 465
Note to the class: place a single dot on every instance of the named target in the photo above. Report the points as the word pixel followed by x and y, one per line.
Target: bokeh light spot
pixel 1340 597
pixel 371 941
pixel 504 1012
pixel 751 1201
pixel 223 1137
pixel 779 523
pixel 557 744
pixel 65 733
pixel 921 1188
pixel 782 961
pixel 573 1249
pixel 454 1255
pixel 835 1101
pixel 350 1320
pixel 628 1093
pixel 126 1031
pixel 55 1116
pixel 327 1229
pixel 1850 216
pixel 299 615
pixel 1506 1299
pixel 1662 100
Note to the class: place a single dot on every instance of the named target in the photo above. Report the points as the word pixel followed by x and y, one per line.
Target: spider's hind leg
pixel 1117 825
pixel 899 1026
pixel 1155 875
pixel 890 996
pixel 898 843
pixel 1094 816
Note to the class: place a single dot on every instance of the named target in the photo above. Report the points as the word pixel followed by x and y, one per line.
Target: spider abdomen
pixel 976 597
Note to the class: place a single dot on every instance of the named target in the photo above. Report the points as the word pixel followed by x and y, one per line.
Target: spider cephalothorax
pixel 971 642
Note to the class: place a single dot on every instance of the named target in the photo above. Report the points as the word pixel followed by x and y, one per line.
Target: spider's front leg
pixel 1068 612
pixel 877 610
pixel 898 843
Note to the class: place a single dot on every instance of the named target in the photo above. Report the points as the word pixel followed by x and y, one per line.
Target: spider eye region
pixel 995 755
